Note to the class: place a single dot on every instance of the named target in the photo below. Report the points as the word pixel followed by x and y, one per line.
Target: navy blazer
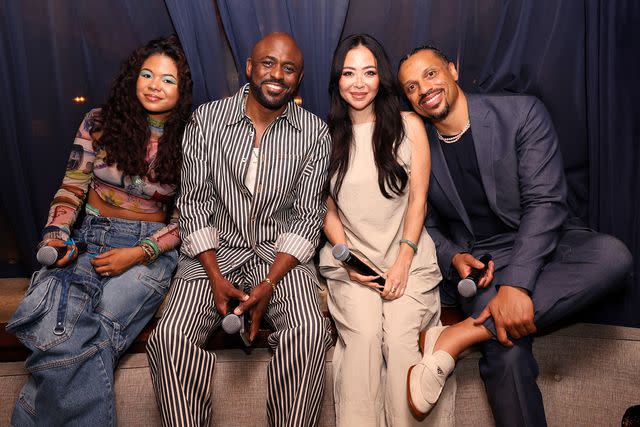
pixel 522 173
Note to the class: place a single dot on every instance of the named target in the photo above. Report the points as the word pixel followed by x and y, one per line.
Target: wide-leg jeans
pixel 78 323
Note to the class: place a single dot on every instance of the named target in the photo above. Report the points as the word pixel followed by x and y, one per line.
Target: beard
pixel 438 115
pixel 270 103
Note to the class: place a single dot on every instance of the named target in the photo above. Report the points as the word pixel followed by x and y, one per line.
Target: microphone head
pixel 47 255
pixel 467 288
pixel 232 323
pixel 340 252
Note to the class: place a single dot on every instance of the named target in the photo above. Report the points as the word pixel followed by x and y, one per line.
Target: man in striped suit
pixel 251 211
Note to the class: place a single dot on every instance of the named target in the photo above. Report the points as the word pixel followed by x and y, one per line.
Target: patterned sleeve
pixel 168 237
pixel 196 199
pixel 70 198
pixel 309 207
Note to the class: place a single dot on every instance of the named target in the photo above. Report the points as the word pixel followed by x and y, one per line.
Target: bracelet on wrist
pixel 270 283
pixel 149 253
pixel 410 244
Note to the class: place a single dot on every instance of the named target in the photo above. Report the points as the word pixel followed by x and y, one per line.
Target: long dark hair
pixel 123 124
pixel 388 130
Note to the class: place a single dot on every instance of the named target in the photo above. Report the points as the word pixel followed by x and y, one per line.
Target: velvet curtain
pixel 316 26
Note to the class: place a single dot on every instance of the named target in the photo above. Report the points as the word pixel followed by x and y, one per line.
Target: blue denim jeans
pixel 78 323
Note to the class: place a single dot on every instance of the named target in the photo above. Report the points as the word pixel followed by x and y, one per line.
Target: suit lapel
pixel 441 173
pixel 482 127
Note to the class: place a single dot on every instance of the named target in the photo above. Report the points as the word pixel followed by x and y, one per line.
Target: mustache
pixel 426 95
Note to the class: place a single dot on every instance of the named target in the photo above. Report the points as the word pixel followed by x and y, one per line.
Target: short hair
pixel 433 49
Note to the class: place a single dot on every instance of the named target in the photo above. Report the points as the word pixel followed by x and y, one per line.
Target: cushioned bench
pixel 589 376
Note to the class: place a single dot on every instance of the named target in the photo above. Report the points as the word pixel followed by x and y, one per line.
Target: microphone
pixel 232 323
pixel 468 286
pixel 341 253
pixel 49 255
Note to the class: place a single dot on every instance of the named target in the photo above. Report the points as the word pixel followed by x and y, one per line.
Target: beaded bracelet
pixel 410 244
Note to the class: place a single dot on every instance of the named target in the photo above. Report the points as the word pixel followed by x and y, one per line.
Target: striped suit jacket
pixel 217 210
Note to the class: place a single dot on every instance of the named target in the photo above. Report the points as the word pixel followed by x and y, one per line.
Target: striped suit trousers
pixel 182 370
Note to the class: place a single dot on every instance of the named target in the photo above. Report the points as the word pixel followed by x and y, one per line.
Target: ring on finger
pixel 106 273
pixel 393 290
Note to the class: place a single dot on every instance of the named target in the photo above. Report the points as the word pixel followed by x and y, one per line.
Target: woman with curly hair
pixel 376 205
pixel 114 268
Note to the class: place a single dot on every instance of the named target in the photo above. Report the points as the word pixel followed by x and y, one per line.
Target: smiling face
pixel 430 84
pixel 359 80
pixel 157 86
pixel 274 70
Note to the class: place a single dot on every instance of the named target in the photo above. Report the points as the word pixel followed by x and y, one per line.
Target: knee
pixel 614 256
pixel 163 338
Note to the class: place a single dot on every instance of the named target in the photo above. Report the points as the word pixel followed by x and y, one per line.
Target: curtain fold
pixel 613 67
pixel 197 26
pixel 316 27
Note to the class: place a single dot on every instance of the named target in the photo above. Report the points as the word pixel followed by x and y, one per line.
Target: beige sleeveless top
pixel 372 223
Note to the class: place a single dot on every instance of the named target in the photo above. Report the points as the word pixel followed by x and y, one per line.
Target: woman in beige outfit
pixel 379 177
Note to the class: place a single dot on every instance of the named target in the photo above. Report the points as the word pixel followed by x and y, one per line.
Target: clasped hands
pixel 255 303
pixel 511 308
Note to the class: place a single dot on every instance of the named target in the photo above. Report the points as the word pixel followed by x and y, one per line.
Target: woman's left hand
pixel 395 281
pixel 117 261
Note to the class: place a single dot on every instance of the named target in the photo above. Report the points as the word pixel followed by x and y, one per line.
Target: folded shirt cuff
pixel 200 241
pixel 296 246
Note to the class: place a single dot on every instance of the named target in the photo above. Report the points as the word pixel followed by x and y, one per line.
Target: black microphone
pixel 341 253
pixel 49 255
pixel 468 286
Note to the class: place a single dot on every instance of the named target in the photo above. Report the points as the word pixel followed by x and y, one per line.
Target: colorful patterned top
pixel 87 168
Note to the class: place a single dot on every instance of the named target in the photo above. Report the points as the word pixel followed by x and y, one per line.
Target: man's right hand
pixel 463 262
pixel 223 291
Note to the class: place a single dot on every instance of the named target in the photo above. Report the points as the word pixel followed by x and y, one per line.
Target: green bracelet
pixel 154 246
pixel 410 244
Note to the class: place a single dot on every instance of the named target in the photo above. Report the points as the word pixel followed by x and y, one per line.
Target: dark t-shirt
pixel 463 166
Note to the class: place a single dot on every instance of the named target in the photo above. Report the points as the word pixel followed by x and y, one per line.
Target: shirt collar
pixel 291 112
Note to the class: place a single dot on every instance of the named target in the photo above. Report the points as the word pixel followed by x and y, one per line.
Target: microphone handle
pixel 476 273
pixel 363 268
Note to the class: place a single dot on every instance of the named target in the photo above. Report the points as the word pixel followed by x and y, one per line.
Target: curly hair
pixel 122 123
pixel 388 130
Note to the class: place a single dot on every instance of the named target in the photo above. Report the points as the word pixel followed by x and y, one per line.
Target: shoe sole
pixel 414 411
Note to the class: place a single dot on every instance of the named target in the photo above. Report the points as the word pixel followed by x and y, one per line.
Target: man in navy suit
pixel 497 186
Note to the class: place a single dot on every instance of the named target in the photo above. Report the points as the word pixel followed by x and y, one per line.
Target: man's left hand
pixel 512 312
pixel 256 305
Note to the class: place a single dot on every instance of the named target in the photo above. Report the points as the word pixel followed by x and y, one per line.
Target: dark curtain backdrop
pixel 197 26
pixel 316 26
pixel 52 51
pixel 579 56
pixel 613 127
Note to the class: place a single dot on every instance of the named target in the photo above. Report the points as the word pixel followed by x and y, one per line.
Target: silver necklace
pixel 454 138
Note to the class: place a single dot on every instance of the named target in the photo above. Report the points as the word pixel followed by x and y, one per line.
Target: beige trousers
pixel 377 343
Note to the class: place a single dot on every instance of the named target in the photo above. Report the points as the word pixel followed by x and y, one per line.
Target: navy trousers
pixel 585 266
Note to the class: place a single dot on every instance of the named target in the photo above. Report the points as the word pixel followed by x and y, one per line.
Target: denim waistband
pixel 136 230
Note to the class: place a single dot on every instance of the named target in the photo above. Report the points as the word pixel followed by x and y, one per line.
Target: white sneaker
pixel 426 380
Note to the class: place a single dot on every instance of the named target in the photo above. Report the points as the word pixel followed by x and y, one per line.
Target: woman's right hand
pixel 66 259
pixel 362 279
